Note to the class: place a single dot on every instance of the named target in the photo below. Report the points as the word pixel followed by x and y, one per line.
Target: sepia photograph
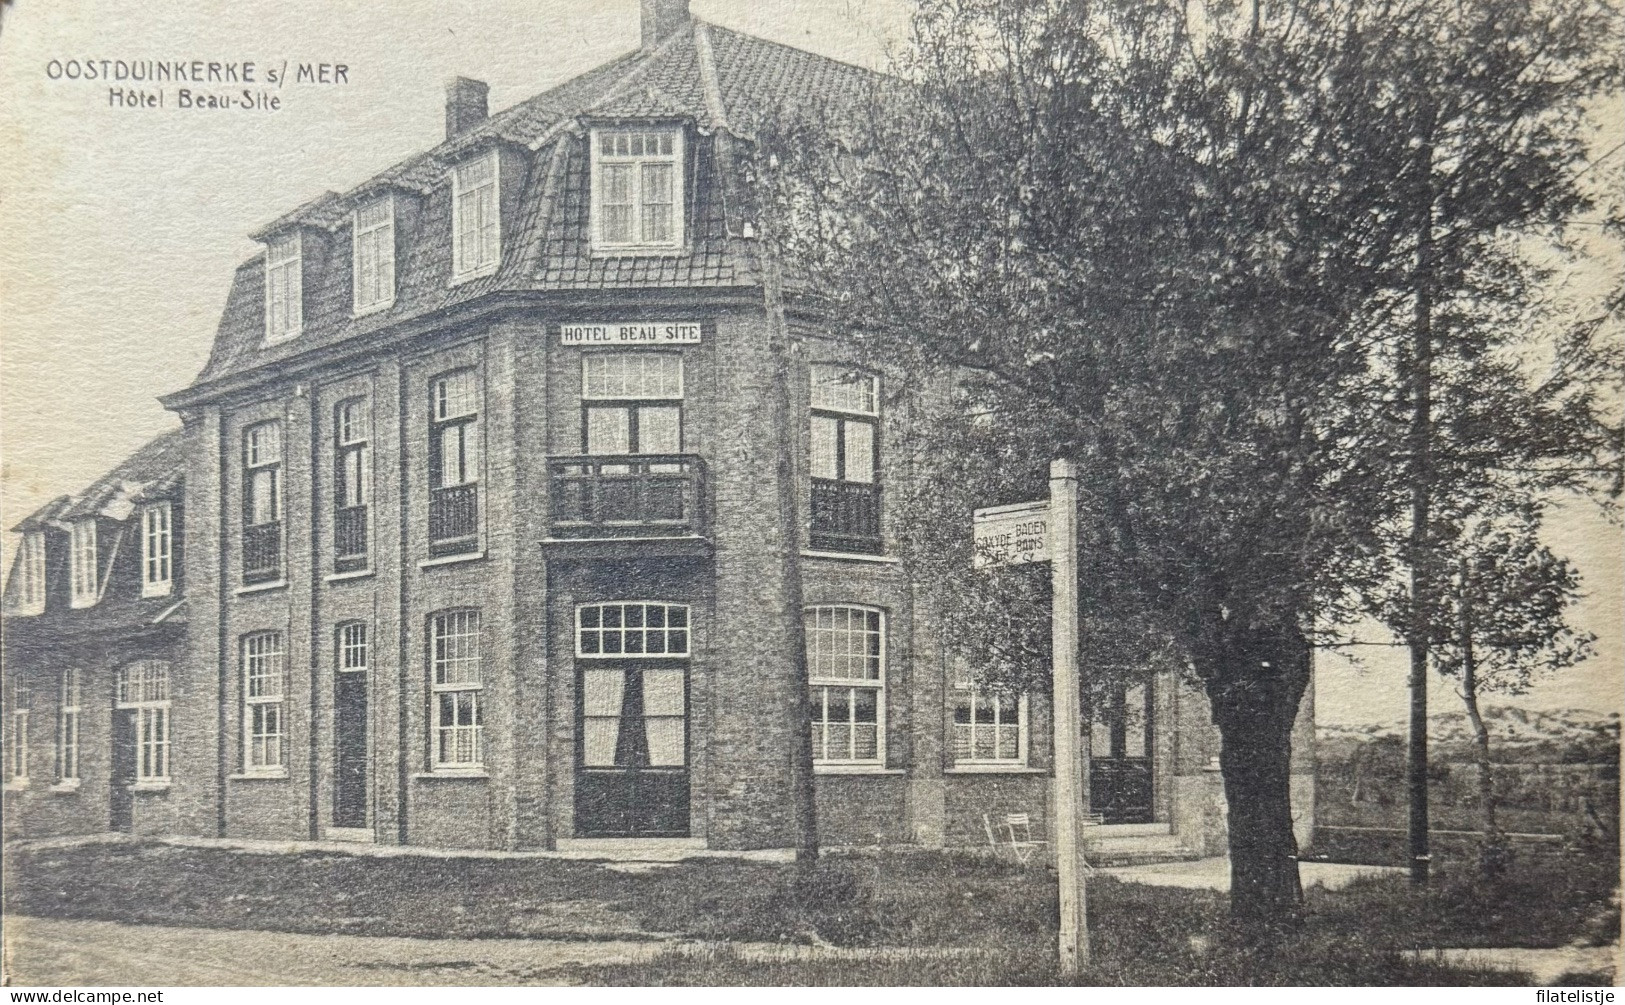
pixel 926 493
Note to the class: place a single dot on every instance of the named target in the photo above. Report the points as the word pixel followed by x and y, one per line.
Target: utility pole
pixel 1069 762
pixel 1421 544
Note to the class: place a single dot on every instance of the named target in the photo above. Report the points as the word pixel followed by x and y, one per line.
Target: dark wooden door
pixel 350 768
pixel 632 749
pixel 1120 773
pixel 122 773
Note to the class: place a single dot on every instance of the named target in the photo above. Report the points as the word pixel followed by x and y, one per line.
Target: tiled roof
pixel 122 611
pixel 709 76
pixel 567 261
pixel 156 471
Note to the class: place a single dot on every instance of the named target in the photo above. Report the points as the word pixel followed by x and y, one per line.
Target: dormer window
pixel 475 228
pixel 283 289
pixel 637 189
pixel 82 563
pixel 374 255
pixel 157 549
pixel 30 596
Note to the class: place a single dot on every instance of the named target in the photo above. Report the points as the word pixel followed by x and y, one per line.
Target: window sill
pixel 469 277
pixel 378 308
pixel 852 556
pixel 340 577
pixel 65 786
pixel 469 556
pixel 642 251
pixel 475 773
pixel 275 584
pixel 17 785
pixel 151 786
pixel 994 768
pixel 855 769
pixel 148 594
pixel 283 338
pixel 79 605
pixel 259 776
pixel 25 612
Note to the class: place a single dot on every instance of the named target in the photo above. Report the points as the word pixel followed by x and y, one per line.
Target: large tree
pixel 1146 236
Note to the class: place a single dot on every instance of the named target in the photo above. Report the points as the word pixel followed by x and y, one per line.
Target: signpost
pixel 1048 532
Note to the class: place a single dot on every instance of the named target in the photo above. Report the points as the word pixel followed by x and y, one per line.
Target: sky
pixel 120 227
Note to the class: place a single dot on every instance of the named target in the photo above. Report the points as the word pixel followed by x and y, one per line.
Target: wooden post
pixel 1063 540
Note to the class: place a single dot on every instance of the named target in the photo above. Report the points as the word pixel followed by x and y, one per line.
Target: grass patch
pixel 943 918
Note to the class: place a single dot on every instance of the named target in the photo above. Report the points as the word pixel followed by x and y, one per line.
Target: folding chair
pixel 1020 828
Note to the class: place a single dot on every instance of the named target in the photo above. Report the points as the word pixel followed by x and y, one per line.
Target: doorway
pixel 121 797
pixel 632 772
pixel 350 748
pixel 1120 782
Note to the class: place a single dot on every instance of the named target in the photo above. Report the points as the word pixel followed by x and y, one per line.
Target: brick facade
pixel 730 564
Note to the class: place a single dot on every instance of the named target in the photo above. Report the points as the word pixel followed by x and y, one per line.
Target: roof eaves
pixel 42 517
pixel 312 214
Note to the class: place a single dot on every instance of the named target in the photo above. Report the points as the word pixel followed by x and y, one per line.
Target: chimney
pixel 465 105
pixel 661 18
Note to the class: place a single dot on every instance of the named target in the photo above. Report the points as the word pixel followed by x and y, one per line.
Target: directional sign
pixel 1011 535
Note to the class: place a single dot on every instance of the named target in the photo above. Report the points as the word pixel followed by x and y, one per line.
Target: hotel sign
pixel 630 333
pixel 1011 535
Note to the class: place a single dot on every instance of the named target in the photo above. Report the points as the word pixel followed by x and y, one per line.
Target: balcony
pixel 845 517
pixel 627 496
pixel 454 520
pixel 349 538
pixel 262 553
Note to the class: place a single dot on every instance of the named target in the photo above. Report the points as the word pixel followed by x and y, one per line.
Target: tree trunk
pixel 804 797
pixel 1492 850
pixel 1421 479
pixel 1255 680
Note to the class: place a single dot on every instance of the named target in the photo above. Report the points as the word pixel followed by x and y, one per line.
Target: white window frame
pixel 377 237
pixel 352 480
pixel 30 592
pixel 463 623
pixel 265 692
pixel 284 287
pixel 354 647
pixel 463 267
pixel 17 741
pixel 143 686
pixel 676 160
pixel 84 574
pixel 157 549
pixel 820 685
pixel 257 457
pixel 975 694
pixel 594 636
pixel 642 376
pixel 460 411
pixel 69 706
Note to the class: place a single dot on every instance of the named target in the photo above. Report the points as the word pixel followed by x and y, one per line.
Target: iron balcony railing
pixel 349 538
pixel 627 495
pixel 454 519
pixel 845 516
pixel 262 552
